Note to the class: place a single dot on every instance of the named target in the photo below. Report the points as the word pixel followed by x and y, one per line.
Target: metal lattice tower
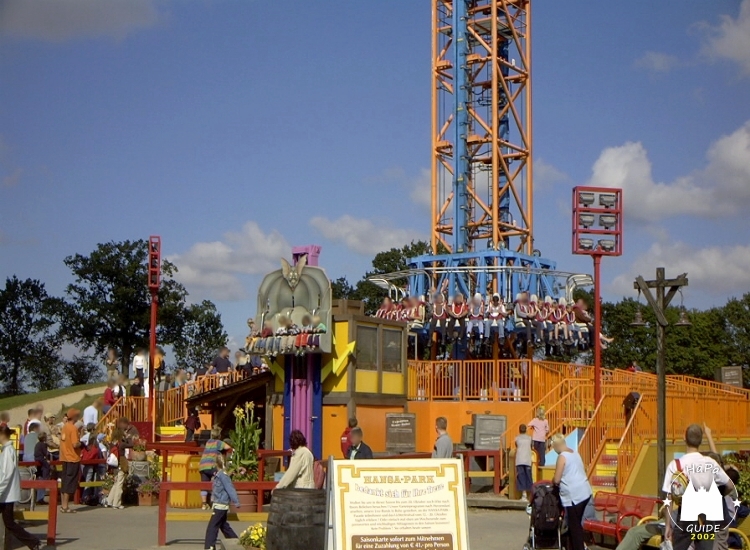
pixel 481 126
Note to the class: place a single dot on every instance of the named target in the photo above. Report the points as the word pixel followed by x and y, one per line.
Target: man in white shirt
pixel 692 468
pixel 91 413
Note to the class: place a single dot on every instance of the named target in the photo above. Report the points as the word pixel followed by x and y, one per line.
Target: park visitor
pixel 192 425
pixel 699 470
pixel 10 490
pixel 575 491
pixel 523 462
pixel 207 467
pixel 346 441
pixel 112 364
pixel 70 449
pixel 42 461
pixel 31 440
pixel 109 398
pixel 121 466
pixel 223 493
pixel 91 413
pixel 299 474
pixel 4 418
pixel 539 432
pixel 359 450
pixel 443 444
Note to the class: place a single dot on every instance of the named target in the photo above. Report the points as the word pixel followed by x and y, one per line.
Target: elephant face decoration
pixel 293 274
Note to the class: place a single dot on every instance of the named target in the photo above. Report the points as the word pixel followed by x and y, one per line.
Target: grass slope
pixel 8 403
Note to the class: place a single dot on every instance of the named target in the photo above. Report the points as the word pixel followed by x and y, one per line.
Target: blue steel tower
pixel 482 180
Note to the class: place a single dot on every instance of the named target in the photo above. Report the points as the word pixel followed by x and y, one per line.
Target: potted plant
pixel 148 493
pixel 107 484
pixel 138 454
pixel 243 463
pixel 254 537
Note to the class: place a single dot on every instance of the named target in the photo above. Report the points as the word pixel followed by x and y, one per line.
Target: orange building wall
pixel 458 414
pixel 335 422
pixel 372 421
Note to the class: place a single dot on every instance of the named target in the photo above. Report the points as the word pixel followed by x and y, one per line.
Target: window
pixel 392 350
pixel 367 348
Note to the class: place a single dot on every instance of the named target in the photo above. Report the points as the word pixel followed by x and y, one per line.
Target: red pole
pixel 152 364
pixel 597 330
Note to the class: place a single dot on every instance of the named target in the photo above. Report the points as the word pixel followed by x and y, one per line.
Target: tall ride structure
pixel 482 186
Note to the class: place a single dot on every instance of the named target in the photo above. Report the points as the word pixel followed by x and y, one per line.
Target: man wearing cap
pixel 70 455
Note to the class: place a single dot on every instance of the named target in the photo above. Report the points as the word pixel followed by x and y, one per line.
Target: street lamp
pixel 605 240
pixel 154 279
pixel 659 304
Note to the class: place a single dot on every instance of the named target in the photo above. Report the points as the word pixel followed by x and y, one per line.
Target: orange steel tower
pixel 481 125
pixel 482 204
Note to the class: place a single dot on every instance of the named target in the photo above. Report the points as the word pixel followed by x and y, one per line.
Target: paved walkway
pixel 135 529
pixel 19 414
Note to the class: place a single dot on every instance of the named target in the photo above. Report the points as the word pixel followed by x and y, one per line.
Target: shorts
pixel 71 473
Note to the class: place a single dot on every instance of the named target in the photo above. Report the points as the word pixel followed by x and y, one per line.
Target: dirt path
pixel 19 414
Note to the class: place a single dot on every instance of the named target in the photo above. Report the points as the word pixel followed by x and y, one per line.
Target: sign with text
pixel 409 504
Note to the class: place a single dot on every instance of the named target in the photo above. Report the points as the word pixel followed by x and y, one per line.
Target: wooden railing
pixel 488 380
pixel 173 406
pixel 134 409
pixel 607 422
pixel 728 414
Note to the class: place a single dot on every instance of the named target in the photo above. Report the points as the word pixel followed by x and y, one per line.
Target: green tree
pixel 110 301
pixel 82 370
pixel 389 261
pixel 341 289
pixel 202 336
pixel 29 339
pixel 736 323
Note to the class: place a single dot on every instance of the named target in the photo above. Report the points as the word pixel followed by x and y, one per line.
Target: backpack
pixel 679 483
pixel 319 475
pixel 546 508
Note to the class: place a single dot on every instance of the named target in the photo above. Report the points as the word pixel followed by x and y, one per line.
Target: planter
pixel 137 456
pixel 248 501
pixel 148 499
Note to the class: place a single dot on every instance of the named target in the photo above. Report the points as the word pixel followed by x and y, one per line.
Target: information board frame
pixel 415 504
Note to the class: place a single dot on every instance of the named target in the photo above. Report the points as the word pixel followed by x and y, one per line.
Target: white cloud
pixel 656 62
pixel 57 21
pixel 210 269
pixel 546 175
pixel 421 189
pixel 716 270
pixel 731 38
pixel 719 189
pixel 362 235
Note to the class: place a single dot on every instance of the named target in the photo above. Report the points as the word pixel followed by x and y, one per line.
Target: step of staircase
pixel 606 483
pixel 608 459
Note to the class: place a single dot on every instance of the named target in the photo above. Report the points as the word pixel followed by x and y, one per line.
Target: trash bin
pixel 185 468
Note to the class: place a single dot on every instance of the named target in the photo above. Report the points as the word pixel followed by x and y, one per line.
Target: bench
pixel 616 513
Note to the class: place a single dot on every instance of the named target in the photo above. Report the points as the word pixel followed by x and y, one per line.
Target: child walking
pixel 222 494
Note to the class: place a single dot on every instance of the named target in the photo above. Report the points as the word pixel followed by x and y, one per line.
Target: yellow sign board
pixel 409 504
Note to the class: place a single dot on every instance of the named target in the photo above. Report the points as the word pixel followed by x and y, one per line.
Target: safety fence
pixel 257 487
pixel 173 401
pixel 134 409
pixel 40 515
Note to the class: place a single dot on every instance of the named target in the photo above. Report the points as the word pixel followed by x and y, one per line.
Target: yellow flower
pixel 239 413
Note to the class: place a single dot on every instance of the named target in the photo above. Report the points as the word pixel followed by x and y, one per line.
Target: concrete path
pixel 135 529
pixel 19 414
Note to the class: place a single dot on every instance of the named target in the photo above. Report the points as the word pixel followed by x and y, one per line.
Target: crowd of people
pixel 481 322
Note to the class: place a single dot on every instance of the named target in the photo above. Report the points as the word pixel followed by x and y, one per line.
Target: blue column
pixel 461 96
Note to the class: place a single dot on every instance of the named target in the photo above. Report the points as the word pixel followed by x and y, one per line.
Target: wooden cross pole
pixel 659 304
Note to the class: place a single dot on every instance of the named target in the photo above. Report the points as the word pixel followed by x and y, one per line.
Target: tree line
pixel 718 336
pixel 106 306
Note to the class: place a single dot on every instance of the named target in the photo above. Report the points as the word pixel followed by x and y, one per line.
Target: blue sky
pixel 236 129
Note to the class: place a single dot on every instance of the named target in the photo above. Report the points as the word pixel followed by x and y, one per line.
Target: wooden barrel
pixel 297 520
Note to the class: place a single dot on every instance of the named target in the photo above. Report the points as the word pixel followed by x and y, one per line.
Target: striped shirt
pixel 210 452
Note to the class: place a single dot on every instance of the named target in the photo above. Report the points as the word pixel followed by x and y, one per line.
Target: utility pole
pixel 659 304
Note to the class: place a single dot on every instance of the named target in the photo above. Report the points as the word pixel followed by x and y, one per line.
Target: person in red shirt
pixel 109 396
pixel 346 438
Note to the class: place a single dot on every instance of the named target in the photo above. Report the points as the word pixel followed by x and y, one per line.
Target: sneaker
pixel 523 495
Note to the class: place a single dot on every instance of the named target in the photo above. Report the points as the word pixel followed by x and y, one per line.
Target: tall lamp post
pixel 596 238
pixel 659 304
pixel 154 279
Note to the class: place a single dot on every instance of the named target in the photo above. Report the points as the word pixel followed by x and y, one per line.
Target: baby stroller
pixel 546 517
